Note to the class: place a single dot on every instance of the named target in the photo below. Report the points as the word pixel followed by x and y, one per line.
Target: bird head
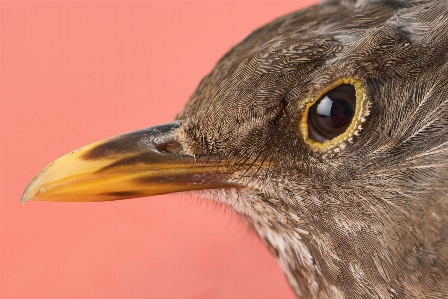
pixel 326 130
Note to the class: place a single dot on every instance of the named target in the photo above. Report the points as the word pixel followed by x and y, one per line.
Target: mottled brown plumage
pixel 365 218
pixel 370 221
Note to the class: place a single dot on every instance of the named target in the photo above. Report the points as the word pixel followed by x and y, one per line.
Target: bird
pixel 326 130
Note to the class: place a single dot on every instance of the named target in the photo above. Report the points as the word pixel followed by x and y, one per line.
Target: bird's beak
pixel 137 164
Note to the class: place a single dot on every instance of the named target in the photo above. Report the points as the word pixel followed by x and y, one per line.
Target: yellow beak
pixel 137 164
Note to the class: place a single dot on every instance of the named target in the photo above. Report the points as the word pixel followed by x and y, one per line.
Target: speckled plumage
pixel 370 221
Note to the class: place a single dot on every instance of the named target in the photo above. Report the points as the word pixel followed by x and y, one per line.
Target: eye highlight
pixel 335 115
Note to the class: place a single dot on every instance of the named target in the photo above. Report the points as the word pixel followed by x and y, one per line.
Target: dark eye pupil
pixel 332 114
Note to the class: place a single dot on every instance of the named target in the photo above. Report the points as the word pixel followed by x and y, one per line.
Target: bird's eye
pixel 335 115
pixel 332 113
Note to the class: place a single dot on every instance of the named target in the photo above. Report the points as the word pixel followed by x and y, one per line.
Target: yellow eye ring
pixel 360 112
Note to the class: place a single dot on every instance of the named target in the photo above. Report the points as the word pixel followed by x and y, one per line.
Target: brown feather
pixel 370 221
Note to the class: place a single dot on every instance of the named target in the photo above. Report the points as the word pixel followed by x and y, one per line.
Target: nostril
pixel 172 147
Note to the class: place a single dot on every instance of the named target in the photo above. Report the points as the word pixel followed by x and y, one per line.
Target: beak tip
pixel 26 197
pixel 30 191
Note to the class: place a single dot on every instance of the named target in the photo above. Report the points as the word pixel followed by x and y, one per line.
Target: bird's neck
pixel 338 258
pixel 282 239
pixel 294 258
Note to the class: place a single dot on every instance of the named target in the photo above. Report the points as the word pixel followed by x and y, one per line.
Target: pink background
pixel 76 72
